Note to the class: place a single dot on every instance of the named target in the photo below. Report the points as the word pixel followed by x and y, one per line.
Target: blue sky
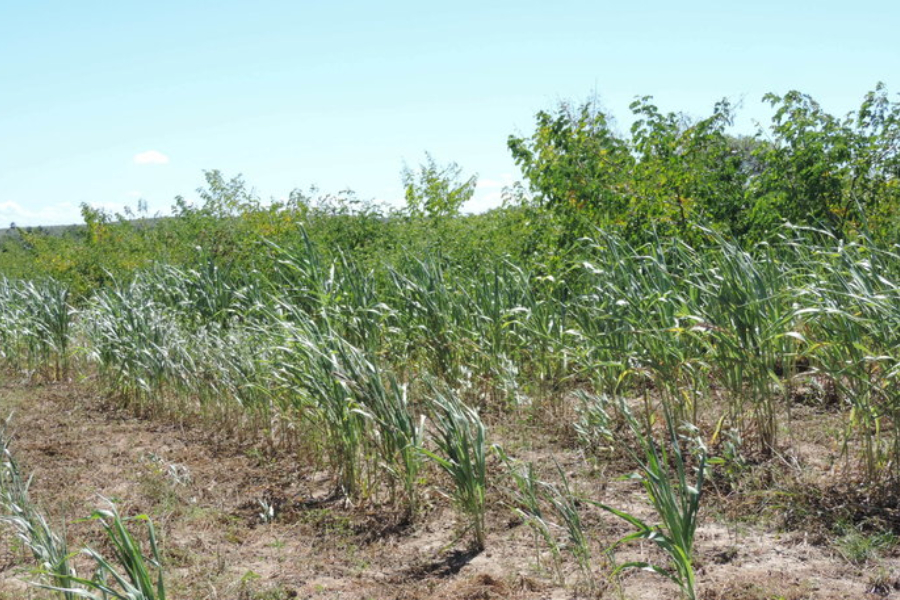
pixel 106 103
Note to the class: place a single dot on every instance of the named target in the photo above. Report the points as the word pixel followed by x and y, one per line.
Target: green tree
pixel 436 191
pixel 805 163
pixel 669 174
pixel 873 190
pixel 576 164
pixel 841 174
pixel 685 171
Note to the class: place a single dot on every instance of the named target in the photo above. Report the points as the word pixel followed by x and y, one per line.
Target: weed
pixel 674 498
pixel 860 548
pixel 461 442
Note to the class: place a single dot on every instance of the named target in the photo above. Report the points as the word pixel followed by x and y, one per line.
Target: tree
pixel 685 171
pixel 436 191
pixel 669 174
pixel 805 163
pixel 841 174
pixel 575 163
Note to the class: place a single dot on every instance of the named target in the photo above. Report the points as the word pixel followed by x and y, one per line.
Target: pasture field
pixel 639 421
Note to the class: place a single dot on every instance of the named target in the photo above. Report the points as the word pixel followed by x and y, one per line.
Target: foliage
pixel 127 566
pixel 809 167
pixel 838 173
pixel 685 172
pixel 576 164
pixel 675 500
pixel 131 572
pixel 461 444
pixel 653 266
pixel 436 191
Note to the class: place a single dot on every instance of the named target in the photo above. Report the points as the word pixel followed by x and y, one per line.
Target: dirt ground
pixel 207 497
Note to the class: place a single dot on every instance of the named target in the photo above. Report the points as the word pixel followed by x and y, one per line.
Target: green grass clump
pixel 131 573
pixel 127 574
pixel 460 441
pixel 675 496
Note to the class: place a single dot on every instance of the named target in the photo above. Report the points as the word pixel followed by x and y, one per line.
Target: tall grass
pixel 49 549
pixel 664 471
pixel 127 574
pixel 665 320
pixel 399 434
pixel 132 574
pixel 527 503
pixel 35 326
pixel 461 445
pixel 321 349
pixel 322 395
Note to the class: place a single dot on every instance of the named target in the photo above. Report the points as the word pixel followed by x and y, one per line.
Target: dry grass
pixel 216 545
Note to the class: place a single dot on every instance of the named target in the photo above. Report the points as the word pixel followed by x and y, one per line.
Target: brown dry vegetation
pixel 206 494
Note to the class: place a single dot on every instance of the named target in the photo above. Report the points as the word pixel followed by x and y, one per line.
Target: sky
pixel 107 103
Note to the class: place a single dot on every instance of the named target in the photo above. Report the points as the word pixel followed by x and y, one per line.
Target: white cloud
pixel 151 157
pixel 57 214
pixel 503 181
pixel 63 213
pixel 489 193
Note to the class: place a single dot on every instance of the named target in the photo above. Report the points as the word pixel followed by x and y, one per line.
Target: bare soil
pixel 207 496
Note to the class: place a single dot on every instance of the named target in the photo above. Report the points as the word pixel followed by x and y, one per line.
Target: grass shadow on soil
pixel 447 566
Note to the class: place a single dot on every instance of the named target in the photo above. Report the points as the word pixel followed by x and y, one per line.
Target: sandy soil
pixel 206 494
